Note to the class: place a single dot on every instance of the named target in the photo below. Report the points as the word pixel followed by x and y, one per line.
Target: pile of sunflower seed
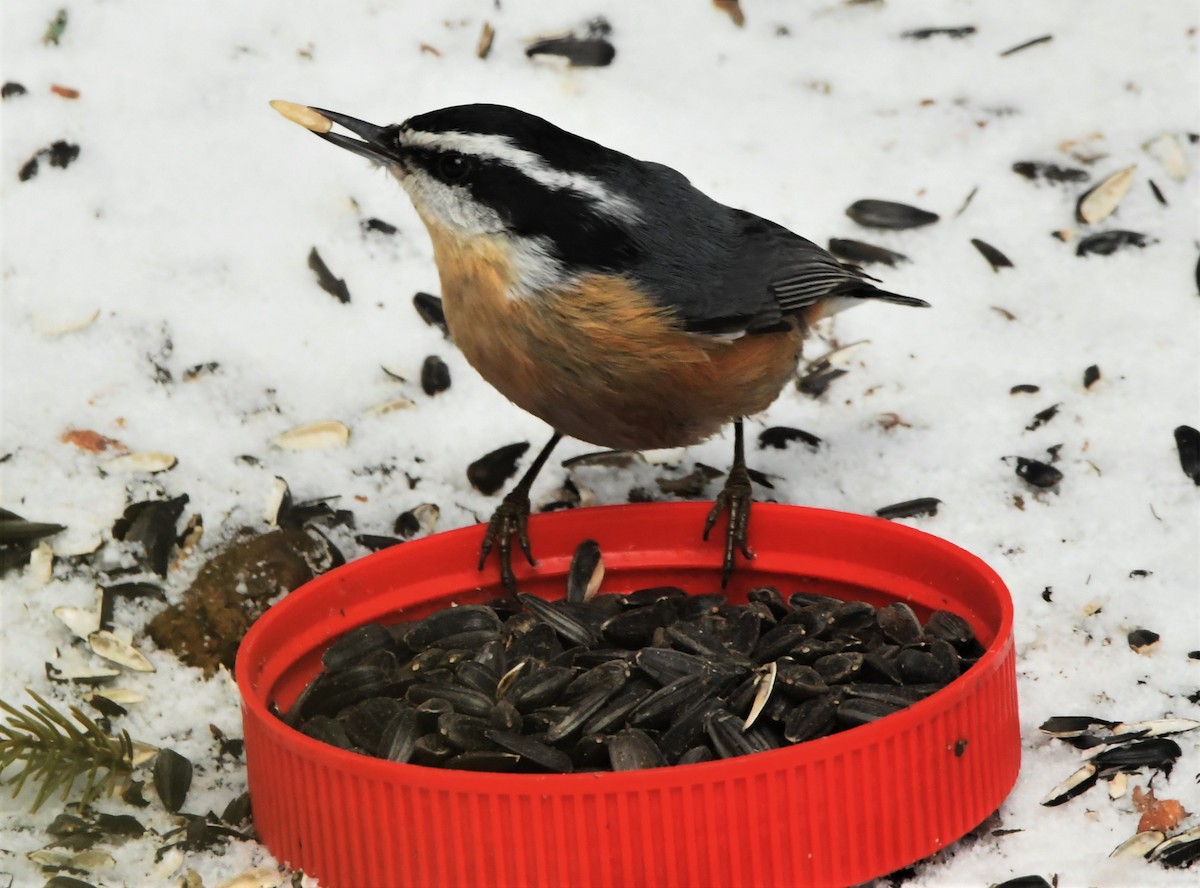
pixel 624 681
pixel 1114 750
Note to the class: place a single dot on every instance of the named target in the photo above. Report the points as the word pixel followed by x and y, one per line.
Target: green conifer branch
pixel 54 749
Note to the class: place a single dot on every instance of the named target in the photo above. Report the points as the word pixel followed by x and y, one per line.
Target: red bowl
pixel 835 811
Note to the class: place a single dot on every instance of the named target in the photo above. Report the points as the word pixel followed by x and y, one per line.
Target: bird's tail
pixel 866 291
pixel 856 294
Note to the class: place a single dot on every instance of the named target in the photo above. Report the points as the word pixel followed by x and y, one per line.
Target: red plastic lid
pixel 836 811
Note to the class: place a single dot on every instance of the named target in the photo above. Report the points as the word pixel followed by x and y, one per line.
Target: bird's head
pixel 491 170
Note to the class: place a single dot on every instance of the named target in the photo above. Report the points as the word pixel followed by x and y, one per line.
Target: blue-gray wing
pixel 773 276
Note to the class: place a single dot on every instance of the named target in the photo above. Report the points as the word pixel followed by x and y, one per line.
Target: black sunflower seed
pixel 1024 882
pixel 810 719
pixel 451 621
pixel 919 667
pixel 616 711
pixel 326 279
pixel 429 307
pixel 464 700
pixel 465 732
pixel 882 663
pixel 151 523
pixel 376 542
pixel 1180 850
pixel 658 707
pixel 1037 473
pixel 914 508
pixel 1075 785
pixel 724 731
pixel 559 619
pixel 864 710
pixel 1187 442
pixel 995 258
pixel 535 642
pixel 592 50
pixel 780 437
pixel 861 253
pixel 839 668
pixel 899 622
pixel 431 750
pixel 1049 171
pixel 484 760
pixel 687 729
pixel 697 755
pixel 1142 640
pixel 378 226
pixel 665 665
pixel 586 572
pixel 128 825
pixel 354 645
pixel 429 711
pixel 1105 243
pixel 697 639
pixel 506 717
pixel 1042 417
pixel 366 721
pixel 798 681
pixel 533 751
pixel 28 169
pixel 580 711
pixel 61 881
pixel 399 738
pixel 1157 754
pixel 477 676
pixel 950 627
pixel 535 685
pixel 15 529
pixel 581 53
pixel 611 675
pixel 1067 726
pixel 778 641
pixel 889 214
pixel 631 749
pixel 435 375
pixel 488 473
pixel 172 778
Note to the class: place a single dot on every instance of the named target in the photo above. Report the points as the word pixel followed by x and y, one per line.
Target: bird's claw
pixel 511 517
pixel 735 498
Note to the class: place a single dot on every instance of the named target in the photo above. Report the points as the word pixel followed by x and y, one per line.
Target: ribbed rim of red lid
pixel 961 783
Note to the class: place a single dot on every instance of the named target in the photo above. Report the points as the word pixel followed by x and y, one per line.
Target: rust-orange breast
pixel 596 359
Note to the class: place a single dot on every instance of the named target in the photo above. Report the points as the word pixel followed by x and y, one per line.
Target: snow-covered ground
pixel 178 238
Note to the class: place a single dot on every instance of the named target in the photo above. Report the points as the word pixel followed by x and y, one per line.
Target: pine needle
pixel 53 750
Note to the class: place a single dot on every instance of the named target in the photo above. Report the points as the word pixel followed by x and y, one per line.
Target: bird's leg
pixel 735 497
pixel 512 517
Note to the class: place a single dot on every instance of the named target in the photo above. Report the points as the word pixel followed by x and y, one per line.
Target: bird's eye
pixel 453 167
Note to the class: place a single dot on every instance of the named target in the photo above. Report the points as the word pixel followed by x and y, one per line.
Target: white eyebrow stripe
pixel 530 164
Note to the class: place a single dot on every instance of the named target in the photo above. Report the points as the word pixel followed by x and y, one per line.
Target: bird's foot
pixel 735 498
pixel 511 518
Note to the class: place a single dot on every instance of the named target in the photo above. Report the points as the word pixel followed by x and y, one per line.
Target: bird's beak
pixel 375 143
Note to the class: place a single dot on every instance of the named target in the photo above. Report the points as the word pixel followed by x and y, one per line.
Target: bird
pixel 605 295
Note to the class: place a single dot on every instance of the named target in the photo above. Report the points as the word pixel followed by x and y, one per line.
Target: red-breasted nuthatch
pixel 603 294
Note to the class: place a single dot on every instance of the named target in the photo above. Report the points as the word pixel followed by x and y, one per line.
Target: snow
pixel 187 219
